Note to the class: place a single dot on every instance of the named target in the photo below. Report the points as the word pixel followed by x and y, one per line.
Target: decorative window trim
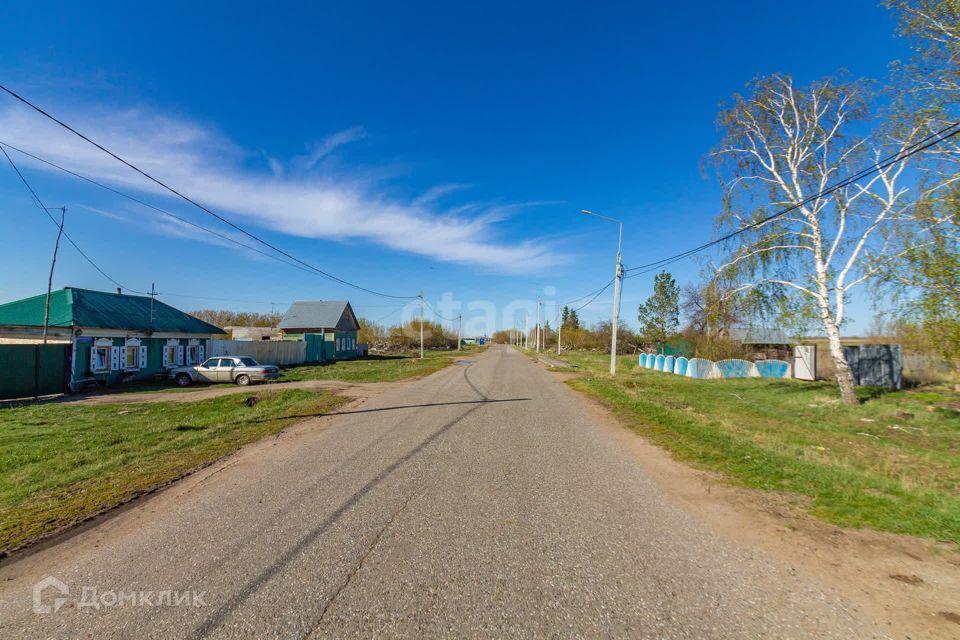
pixel 138 358
pixel 105 345
pixel 194 352
pixel 171 353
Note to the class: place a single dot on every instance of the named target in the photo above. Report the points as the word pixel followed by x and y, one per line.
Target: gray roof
pixel 320 314
pixel 759 335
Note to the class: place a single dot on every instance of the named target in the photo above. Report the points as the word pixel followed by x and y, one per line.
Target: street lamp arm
pixel 597 215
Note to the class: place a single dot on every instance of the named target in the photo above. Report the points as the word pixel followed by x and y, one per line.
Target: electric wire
pixel 925 143
pixel 592 293
pixel 595 296
pixel 151 206
pixel 39 204
pixel 193 202
pixel 437 313
pixel 395 311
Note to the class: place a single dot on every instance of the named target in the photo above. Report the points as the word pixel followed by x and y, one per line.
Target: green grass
pixel 863 466
pixel 376 368
pixel 63 463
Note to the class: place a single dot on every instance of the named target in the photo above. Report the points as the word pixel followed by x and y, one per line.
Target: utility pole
pixel 53 262
pixel 459 330
pixel 559 329
pixel 421 324
pixel 538 324
pixel 525 336
pixel 618 274
pixel 153 293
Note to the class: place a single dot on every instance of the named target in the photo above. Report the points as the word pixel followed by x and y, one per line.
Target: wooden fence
pixel 263 351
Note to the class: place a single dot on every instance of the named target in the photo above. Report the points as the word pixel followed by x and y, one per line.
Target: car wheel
pixel 243 380
pixel 183 380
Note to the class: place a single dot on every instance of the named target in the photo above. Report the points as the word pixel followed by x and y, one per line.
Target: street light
pixel 618 274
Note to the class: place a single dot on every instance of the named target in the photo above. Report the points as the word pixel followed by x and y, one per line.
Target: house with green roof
pixel 112 336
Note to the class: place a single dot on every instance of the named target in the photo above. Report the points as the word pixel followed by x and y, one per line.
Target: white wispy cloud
pixel 296 198
pixel 327 146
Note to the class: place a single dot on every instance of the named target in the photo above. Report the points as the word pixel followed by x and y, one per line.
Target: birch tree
pixel 783 145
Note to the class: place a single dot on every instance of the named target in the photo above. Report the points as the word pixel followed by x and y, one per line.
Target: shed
pixel 329 328
pixel 763 342
pixel 112 336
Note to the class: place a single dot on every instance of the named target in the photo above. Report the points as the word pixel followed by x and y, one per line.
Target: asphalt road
pixel 481 501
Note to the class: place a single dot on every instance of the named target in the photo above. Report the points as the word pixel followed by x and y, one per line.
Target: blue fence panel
pixel 680 366
pixel 658 363
pixel 668 364
pixel 773 369
pixel 736 368
pixel 651 359
pixel 643 361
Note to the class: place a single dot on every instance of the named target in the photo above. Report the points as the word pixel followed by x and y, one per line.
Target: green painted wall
pixel 154 368
pixel 347 339
pixel 18 371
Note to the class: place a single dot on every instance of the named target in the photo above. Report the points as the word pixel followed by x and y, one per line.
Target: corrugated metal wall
pixel 876 365
pixel 18 372
pixel 264 352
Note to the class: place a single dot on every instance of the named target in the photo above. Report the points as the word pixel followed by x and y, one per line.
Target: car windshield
pixel 248 362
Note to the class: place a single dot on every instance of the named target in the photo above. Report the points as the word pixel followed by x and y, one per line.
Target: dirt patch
pixel 910 585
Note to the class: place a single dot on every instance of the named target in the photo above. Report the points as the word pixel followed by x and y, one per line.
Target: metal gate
pixel 29 370
pixel 805 362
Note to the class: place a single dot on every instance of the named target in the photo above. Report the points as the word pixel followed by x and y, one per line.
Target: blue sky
pixel 422 145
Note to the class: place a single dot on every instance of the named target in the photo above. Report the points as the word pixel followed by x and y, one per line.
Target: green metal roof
pixel 101 310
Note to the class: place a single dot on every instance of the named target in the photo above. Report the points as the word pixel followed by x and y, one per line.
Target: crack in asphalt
pixel 363 558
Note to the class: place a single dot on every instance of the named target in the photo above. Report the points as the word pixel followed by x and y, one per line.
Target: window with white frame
pixel 170 353
pixel 193 354
pixel 134 355
pixel 100 356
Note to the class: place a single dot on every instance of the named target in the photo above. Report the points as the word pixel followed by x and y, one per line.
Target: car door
pixel 208 370
pixel 225 370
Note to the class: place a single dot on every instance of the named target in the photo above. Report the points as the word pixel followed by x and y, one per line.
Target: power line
pixel 595 296
pixel 39 204
pixel 901 155
pixel 198 205
pixel 397 310
pixel 436 313
pixel 184 295
pixel 592 293
pixel 151 206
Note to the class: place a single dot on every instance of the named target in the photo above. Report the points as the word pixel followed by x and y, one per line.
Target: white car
pixel 241 370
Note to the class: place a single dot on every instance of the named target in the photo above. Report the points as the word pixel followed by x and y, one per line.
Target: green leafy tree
pixel 659 316
pixel 927 286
